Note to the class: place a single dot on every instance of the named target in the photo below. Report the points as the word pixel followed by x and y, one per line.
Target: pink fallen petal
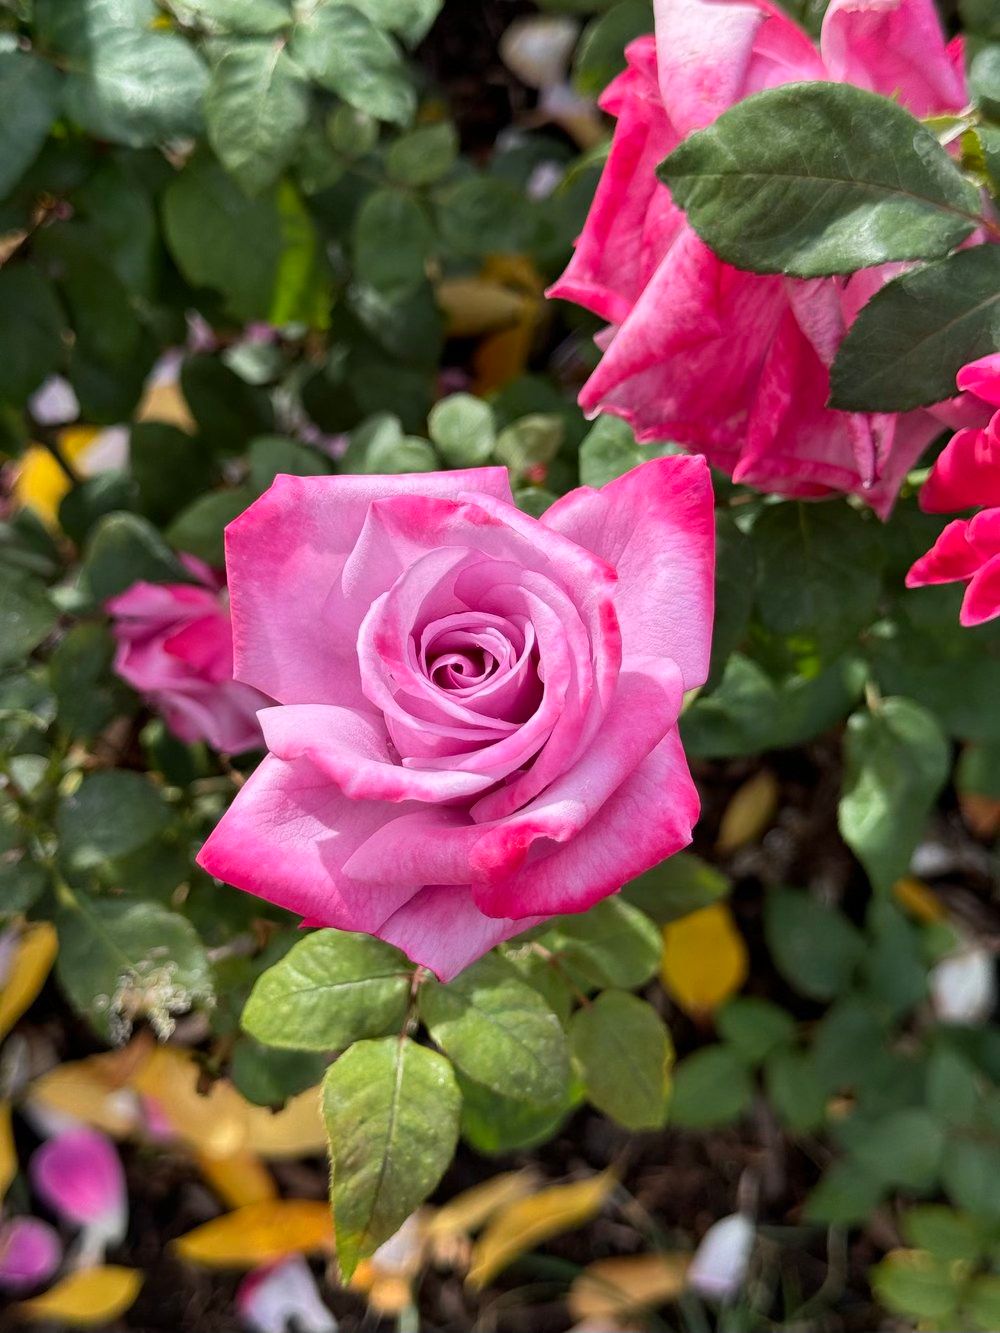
pixel 30 1253
pixel 282 1297
pixel 79 1176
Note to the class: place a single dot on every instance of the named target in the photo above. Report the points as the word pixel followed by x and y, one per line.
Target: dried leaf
pixel 166 403
pixel 24 976
pixel 295 1131
pixel 751 809
pixel 468 1211
pixel 8 1153
pixel 613 1288
pixel 531 1221
pixel 212 1121
pixel 238 1180
pixel 86 1298
pixel 919 900
pixel 260 1233
pixel 704 959
pixel 93 1091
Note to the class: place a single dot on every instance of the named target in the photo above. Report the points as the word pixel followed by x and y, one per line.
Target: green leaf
pixel 981 1302
pixel 339 48
pixel 846 1196
pixel 31 325
pixel 268 1077
pixel 199 529
pixel 711 1087
pixel 969 1173
pixel 625 1054
pixel 29 103
pixel 914 1283
pixel 124 549
pixel 392 242
pixel 682 884
pixel 82 508
pixel 947 1234
pixel 128 82
pixel 754 1027
pixel 330 989
pixel 980 17
pixel 495 1125
pixel 256 107
pixel 424 155
pixel 984 79
pixel 815 948
pixel 813 179
pixel 392 1114
pixel 270 455
pixel 120 959
pixel 463 429
pixel 896 762
pixel 807 593
pixel 27 614
pixel 903 1149
pixel 111 813
pixel 88 694
pixel 170 468
pixel 499 1031
pixel 243 16
pixel 794 1090
pixel 600 54
pixel 912 338
pixel 409 19
pixel 483 215
pixel 613 944
pixel 229 412
pixel 263 255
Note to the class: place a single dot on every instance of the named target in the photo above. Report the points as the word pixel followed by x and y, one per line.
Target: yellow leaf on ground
pixel 531 1221
pixel 750 811
pixel 8 1153
pixel 612 1288
pixel 920 901
pixel 474 306
pixel 260 1233
pixel 41 483
pixel 238 1180
pixel 297 1130
pixel 165 402
pixel 94 1090
pixel 704 959
pixel 23 975
pixel 86 1298
pixel 468 1211
pixel 213 1121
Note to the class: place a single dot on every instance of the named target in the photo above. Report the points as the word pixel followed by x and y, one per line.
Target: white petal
pixel 720 1262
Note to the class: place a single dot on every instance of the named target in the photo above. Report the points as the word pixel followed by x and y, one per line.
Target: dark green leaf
pixel 913 1283
pixel 268 1077
pixel 613 944
pixel 794 1090
pixel 711 1087
pixel 676 887
pixel 424 155
pixel 815 948
pixel 29 101
pixel 754 1027
pixel 272 454
pixel 330 989
pixel 392 1114
pixel 495 1125
pixel 820 178
pixel 112 812
pixel 392 241
pixel 948 1235
pixel 912 338
pixel 600 54
pixel 228 411
pixel 123 549
pixel 170 468
pixel 342 50
pixel 902 1149
pixel 256 107
pixel 80 672
pixel 31 324
pixel 27 614
pixel 199 529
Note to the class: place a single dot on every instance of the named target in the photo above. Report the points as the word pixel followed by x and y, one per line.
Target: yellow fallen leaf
pixel 40 483
pixel 611 1288
pixel 751 809
pixel 503 356
pixel 213 1121
pixel 24 976
pixel 468 1211
pixel 165 402
pixel 387 1294
pixel 474 306
pixel 94 1090
pixel 86 1298
pixel 238 1180
pixel 920 901
pixel 297 1130
pixel 704 959
pixel 260 1233
pixel 528 1222
pixel 8 1153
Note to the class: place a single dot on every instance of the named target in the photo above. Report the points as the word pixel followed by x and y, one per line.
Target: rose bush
pixel 175 647
pixel 732 364
pixel 967 475
pixel 477 720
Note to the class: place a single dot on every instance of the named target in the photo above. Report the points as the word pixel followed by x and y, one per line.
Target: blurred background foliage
pixel 243 237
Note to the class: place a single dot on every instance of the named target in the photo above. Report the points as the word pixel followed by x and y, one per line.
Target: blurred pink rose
pixel 175 647
pixel 478 721
pixel 967 474
pixel 730 364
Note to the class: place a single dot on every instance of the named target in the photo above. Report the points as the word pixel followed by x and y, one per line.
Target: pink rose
pixel 175 647
pixel 730 364
pixel 967 474
pixel 478 710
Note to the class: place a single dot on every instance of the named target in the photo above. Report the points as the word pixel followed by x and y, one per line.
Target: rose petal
pixel 30 1253
pixel 443 929
pixel 79 1176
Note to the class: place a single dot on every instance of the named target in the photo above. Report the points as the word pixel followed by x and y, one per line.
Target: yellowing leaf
pixel 704 959
pixel 751 809
pixel 94 1090
pixel 296 1130
pixel 920 901
pixel 34 954
pixel 260 1233
pixel 387 1294
pixel 476 306
pixel 468 1211
pixel 238 1180
pixel 213 1121
pixel 529 1222
pixel 8 1153
pixel 86 1298
pixel 611 1288
pixel 41 483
